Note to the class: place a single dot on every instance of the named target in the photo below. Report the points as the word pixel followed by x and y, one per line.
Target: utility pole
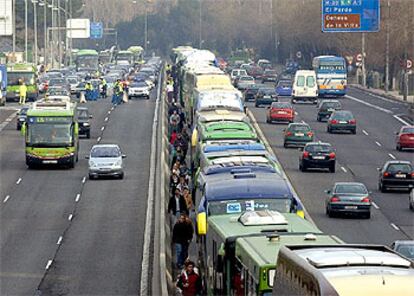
pixel 14 29
pixel 25 32
pixel 53 44
pixel 200 34
pixel 59 37
pixel 44 31
pixel 387 49
pixel 146 27
pixel 71 39
pixel 35 30
pixel 364 74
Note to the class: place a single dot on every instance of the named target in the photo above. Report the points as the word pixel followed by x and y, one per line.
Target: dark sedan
pixel 396 174
pixel 265 96
pixel 341 121
pixel 317 155
pixel 348 198
pixel 251 92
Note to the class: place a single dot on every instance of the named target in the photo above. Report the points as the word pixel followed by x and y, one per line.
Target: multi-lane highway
pixel 358 158
pixel 64 234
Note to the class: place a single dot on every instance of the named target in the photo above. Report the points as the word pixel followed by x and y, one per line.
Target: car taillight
pixel 288 133
pixel 334 121
pixel 335 199
pixel 309 134
pixel 332 155
pixel 305 154
pixel 386 174
pixel 352 121
pixel 412 175
pixel 366 199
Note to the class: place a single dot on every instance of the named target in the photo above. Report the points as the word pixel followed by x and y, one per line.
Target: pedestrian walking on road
pixel 189 282
pixel 22 93
pixel 182 235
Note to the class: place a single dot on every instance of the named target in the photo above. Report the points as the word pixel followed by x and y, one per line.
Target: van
pixel 305 87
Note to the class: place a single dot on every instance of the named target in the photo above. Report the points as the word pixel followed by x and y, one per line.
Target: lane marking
pixel 6 198
pixel 109 112
pixel 77 197
pixel 7 120
pixel 378 143
pixel 296 113
pixel 106 118
pixel 99 139
pixel 303 121
pixel 70 217
pixel 112 108
pixel 385 99
pixel 395 226
pixel 365 132
pixel 392 156
pixel 83 180
pixel 102 128
pixel 59 240
pixel 401 120
pixel 375 205
pixel 369 104
pixel 18 181
pixel 344 169
pixel 48 264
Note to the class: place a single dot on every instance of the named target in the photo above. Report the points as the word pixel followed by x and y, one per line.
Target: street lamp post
pixel 44 4
pixel 387 49
pixel 25 31
pixel 59 36
pixel 146 27
pixel 35 30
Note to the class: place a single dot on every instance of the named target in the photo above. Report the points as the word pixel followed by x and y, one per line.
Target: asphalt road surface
pixel 62 234
pixel 358 157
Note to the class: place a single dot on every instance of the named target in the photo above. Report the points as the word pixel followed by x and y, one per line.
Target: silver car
pixel 106 160
pixel 139 89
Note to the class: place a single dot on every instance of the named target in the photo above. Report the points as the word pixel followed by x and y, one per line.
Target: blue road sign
pixel 96 30
pixel 350 15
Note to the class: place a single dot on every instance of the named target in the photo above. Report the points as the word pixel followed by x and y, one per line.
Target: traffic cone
pixel 125 97
pixel 82 97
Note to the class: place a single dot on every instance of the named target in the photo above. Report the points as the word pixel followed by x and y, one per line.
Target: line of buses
pixel 253 238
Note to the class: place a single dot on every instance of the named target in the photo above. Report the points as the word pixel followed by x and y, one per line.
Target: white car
pixel 106 160
pixel 304 87
pixel 139 89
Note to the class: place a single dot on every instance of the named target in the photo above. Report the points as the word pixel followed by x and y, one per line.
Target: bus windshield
pixel 14 78
pixel 50 135
pixel 282 205
pixel 87 62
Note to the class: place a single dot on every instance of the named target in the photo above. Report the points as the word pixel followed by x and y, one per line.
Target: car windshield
pixel 333 105
pixel 318 148
pixel 284 84
pixel 83 113
pixel 268 91
pixel 343 116
pixel 105 152
pixel 406 250
pixel 72 80
pixel 246 78
pixel 282 205
pixel 270 72
pixel 281 105
pixel 57 81
pixel 138 84
pixel 399 167
pixel 351 189
pixel 408 130
pixel 299 127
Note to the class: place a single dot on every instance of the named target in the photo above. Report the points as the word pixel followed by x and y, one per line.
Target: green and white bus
pixel 51 134
pixel 87 60
pixel 18 73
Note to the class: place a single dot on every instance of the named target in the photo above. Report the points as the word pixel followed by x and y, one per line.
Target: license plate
pixel 281 112
pixel 331 110
pixel 351 207
pixel 319 157
pixel 411 138
pixel 267 97
pixel 49 161
pixel 343 122
pixel 400 175
pixel 299 134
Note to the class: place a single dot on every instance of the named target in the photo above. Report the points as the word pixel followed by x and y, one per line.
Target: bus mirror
pixel 76 128
pixel 23 129
pixel 194 138
pixel 202 223
pixel 300 213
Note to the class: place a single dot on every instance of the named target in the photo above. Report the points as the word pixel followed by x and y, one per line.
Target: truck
pixel 51 134
pixel 16 75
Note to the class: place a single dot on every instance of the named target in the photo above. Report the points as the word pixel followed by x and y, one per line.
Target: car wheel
pixel 88 134
pixel 382 188
pixel 367 215
pixel 318 118
pixel 285 144
pixel 148 97
pixel 411 207
pixel 353 131
pixel 332 169
pixel 399 147
pixel 329 213
pixel 91 177
pixel 121 176
pixel 328 129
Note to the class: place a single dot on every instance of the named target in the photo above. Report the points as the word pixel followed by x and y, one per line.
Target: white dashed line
pixel 369 105
pixel 112 108
pixel 83 180
pixel 109 112
pixel 392 156
pixel 365 132
pixel 401 120
pixel 99 139
pixel 7 121
pixel 77 197
pixel 70 217
pixel 6 199
pixel 48 264
pixel 375 205
pixel 18 181
pixel 296 113
pixel 102 128
pixel 303 121
pixel 59 240
pixel 344 169
pixel 378 143
pixel 106 118
pixel 395 226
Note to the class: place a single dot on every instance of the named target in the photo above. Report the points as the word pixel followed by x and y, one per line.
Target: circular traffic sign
pixel 359 57
pixel 298 54
pixel 409 64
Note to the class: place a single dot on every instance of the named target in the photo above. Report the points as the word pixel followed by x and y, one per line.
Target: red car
pixel 405 137
pixel 280 111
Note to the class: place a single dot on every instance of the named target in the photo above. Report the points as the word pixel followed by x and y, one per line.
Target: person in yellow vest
pixel 22 93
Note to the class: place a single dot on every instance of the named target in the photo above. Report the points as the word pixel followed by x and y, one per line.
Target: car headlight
pixel 86 124
pixel 118 163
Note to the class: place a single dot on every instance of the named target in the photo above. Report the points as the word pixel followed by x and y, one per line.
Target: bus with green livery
pixel 138 54
pixel 87 60
pixel 18 73
pixel 51 134
pixel 124 57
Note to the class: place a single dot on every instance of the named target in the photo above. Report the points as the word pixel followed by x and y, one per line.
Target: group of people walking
pixel 181 203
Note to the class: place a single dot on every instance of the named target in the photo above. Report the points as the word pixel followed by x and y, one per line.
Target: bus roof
pixel 227 130
pixel 21 67
pixel 230 227
pixel 87 52
pixel 237 147
pixel 213 80
pixel 221 115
